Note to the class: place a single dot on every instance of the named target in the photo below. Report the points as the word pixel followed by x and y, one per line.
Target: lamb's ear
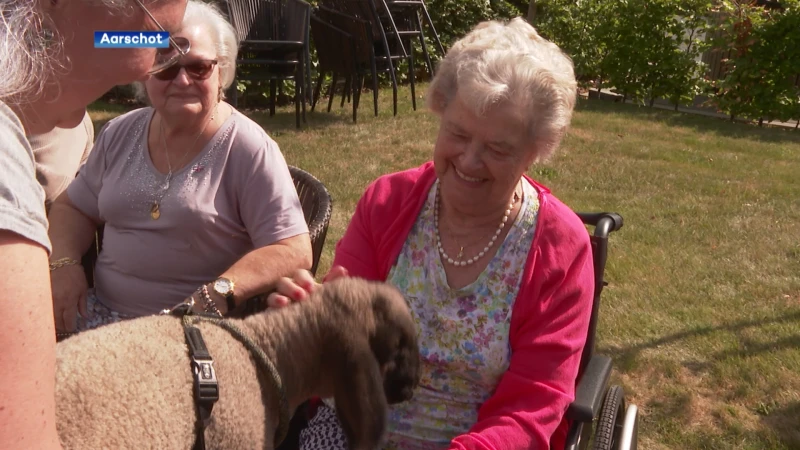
pixel 360 401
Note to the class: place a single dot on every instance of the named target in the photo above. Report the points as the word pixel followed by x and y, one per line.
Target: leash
pixel 206 387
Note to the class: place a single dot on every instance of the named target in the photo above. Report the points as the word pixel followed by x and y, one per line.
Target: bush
pixel 762 71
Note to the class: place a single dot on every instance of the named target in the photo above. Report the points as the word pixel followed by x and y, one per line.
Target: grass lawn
pixel 702 314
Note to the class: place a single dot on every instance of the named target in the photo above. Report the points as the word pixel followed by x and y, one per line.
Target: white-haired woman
pixel 497 271
pixel 196 199
pixel 51 71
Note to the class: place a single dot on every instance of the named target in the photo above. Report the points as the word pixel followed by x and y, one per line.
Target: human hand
pixel 69 288
pixel 298 287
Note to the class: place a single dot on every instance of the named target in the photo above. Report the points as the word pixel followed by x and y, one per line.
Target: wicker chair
pixel 317 206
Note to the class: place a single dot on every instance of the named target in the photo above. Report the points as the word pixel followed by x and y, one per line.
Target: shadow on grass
pixel 626 356
pixel 784 422
pixel 696 122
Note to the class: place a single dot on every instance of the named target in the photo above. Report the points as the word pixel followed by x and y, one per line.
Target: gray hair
pixel 226 42
pixel 30 49
pixel 510 62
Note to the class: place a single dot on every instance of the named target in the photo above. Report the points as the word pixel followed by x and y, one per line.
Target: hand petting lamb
pixel 131 384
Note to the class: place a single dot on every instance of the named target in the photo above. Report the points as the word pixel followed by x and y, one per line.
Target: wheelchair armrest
pixel 590 390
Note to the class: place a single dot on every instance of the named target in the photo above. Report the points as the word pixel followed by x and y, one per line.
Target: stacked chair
pixel 274 47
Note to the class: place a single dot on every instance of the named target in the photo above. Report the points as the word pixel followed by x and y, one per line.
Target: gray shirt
pixel 236 195
pixel 21 196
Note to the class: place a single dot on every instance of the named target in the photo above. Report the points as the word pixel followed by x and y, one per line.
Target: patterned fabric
pixel 323 431
pixel 99 314
pixel 463 336
pixel 463 333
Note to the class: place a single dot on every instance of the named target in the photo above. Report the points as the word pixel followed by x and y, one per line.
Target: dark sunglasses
pixel 197 70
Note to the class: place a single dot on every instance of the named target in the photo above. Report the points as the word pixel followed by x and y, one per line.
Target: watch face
pixel 223 286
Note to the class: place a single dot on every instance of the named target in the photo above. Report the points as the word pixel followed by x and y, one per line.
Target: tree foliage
pixel 644 50
pixel 455 18
pixel 652 49
pixel 763 60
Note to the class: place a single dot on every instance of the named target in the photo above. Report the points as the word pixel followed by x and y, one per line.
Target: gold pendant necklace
pixel 155 209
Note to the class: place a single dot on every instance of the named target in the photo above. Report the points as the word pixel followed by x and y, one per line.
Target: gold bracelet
pixel 59 263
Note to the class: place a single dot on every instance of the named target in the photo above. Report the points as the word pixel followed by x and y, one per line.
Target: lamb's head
pixel 377 355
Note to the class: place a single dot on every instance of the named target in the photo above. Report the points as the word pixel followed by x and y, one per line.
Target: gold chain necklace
pixel 155 208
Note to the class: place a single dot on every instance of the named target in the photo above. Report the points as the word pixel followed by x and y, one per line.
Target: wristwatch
pixel 224 287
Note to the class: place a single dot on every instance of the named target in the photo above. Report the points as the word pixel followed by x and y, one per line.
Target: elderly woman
pixel 497 271
pixel 196 199
pixel 51 71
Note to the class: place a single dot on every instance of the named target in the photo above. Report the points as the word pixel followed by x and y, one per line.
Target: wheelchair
pixel 598 407
pixel 599 416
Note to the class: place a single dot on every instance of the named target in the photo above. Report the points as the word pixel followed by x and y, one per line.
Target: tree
pixel 761 79
pixel 532 12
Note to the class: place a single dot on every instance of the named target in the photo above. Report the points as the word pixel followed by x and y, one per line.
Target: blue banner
pixel 131 39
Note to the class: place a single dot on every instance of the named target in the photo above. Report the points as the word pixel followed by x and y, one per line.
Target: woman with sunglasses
pixel 197 200
pixel 51 72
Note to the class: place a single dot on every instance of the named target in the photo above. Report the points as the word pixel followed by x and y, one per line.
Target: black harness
pixel 206 387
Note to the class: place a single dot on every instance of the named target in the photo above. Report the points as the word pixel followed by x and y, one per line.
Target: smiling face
pixel 186 95
pixel 480 159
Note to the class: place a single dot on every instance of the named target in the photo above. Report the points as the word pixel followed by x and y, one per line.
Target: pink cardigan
pixel 549 320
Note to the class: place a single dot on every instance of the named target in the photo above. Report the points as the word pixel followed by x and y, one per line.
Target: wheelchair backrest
pixel 604 224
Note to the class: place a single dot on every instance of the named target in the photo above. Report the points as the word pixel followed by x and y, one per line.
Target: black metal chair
pixel 406 15
pixel 336 53
pixel 274 46
pixel 366 61
pixel 390 51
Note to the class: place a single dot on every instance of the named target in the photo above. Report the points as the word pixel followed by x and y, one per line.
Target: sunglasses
pixel 166 57
pixel 197 70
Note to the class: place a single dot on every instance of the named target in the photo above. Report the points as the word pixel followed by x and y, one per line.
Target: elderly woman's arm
pixel 259 271
pixel 270 211
pixel 72 230
pixel 547 338
pixel 71 234
pixel 27 347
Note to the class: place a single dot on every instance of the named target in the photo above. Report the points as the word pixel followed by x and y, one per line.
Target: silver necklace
pixel 155 208
pixel 458 260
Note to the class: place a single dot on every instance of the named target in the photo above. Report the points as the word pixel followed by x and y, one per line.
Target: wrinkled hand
pixel 69 288
pixel 299 286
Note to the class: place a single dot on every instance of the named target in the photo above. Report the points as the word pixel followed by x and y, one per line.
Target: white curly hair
pixel 510 63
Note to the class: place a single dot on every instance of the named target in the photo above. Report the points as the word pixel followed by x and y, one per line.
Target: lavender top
pixel 235 196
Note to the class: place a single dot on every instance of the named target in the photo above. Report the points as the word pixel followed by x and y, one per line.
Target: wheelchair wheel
pixel 607 435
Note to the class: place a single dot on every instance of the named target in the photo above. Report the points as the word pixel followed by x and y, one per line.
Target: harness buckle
pixel 205 377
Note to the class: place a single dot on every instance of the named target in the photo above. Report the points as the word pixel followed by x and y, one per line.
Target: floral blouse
pixel 463 333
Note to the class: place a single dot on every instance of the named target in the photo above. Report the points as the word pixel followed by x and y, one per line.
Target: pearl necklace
pixel 458 261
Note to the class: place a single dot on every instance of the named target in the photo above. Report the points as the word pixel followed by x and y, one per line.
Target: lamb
pixel 130 385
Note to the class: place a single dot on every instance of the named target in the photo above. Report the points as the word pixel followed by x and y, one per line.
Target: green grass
pixel 702 314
